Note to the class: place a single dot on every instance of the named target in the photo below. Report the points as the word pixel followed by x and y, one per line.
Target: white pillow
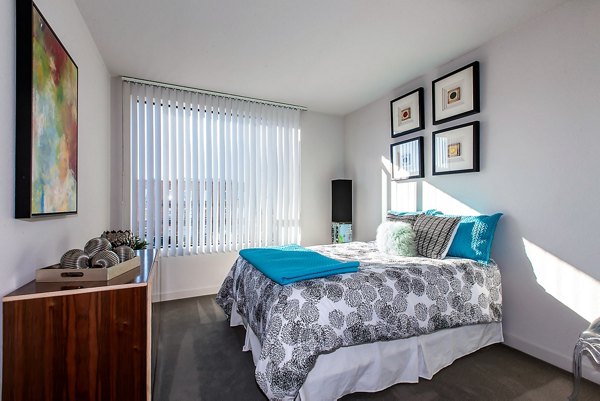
pixel 396 238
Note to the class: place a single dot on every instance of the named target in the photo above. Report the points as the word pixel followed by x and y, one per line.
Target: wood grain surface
pixel 88 346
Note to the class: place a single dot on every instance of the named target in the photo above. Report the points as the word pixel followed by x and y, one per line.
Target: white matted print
pixel 456 149
pixel 457 94
pixel 407 113
pixel 407 159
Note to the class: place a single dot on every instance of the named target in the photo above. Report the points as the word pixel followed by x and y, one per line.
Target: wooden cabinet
pixel 82 341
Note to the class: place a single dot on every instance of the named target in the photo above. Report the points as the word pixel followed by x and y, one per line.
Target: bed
pixel 395 320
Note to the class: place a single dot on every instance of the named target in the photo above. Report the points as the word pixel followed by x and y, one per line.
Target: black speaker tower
pixel 341 201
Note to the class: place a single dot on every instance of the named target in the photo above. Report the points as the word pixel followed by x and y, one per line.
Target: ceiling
pixel 332 56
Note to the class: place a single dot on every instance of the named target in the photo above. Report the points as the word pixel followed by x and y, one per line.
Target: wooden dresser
pixel 83 341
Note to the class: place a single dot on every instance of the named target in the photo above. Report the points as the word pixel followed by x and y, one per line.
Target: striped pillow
pixel 434 235
pixel 404 218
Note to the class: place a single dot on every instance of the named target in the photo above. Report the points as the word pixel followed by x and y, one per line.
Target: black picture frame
pixel 412 103
pixel 464 83
pixel 465 152
pixel 407 168
pixel 31 200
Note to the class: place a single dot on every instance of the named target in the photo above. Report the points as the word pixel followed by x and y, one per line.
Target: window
pixel 211 173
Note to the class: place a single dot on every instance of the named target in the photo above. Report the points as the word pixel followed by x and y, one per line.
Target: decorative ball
pixel 95 245
pixel 105 259
pixel 75 259
pixel 124 252
pixel 118 238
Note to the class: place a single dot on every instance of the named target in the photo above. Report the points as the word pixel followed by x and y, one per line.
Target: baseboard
pixel 590 371
pixel 196 292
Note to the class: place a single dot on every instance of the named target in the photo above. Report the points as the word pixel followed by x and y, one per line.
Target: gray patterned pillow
pixel 405 218
pixel 434 235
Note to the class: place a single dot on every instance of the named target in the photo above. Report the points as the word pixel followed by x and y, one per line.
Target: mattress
pixel 389 298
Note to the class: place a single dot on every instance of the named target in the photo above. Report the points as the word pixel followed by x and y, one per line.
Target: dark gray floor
pixel 201 358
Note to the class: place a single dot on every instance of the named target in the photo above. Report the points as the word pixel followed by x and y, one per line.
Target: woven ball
pixel 95 245
pixel 124 252
pixel 118 238
pixel 75 259
pixel 105 259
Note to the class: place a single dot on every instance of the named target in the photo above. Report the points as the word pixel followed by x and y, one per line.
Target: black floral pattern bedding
pixel 389 298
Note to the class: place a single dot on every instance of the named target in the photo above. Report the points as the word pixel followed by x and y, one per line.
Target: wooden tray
pixel 54 274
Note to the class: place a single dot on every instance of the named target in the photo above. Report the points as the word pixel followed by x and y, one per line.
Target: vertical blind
pixel 211 173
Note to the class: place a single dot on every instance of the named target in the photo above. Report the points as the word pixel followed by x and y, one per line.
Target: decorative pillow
pixel 432 212
pixel 405 218
pixel 396 213
pixel 434 235
pixel 409 217
pixel 473 239
pixel 396 238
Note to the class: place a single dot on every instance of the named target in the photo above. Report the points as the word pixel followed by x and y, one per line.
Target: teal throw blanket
pixel 290 263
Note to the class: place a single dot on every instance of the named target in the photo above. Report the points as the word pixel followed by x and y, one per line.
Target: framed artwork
pixel 46 119
pixel 456 95
pixel 407 159
pixel 407 113
pixel 456 149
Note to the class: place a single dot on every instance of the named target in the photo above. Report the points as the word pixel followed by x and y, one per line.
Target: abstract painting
pixel 47 125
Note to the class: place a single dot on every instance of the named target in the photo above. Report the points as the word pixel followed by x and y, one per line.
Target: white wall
pixel 322 160
pixel 540 143
pixel 28 245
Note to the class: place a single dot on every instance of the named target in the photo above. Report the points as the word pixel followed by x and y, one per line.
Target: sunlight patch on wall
pixel 396 195
pixel 434 198
pixel 384 194
pixel 386 166
pixel 403 196
pixel 570 286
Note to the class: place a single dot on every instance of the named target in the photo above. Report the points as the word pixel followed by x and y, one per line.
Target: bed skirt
pixel 376 366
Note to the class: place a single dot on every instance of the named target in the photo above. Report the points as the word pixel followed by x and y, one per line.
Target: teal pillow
pixel 473 239
pixel 431 212
pixel 395 213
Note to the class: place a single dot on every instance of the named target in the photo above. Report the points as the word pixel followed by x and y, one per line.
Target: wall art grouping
pixel 407 159
pixel 456 149
pixel 453 150
pixel 407 113
pixel 46 120
pixel 456 95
